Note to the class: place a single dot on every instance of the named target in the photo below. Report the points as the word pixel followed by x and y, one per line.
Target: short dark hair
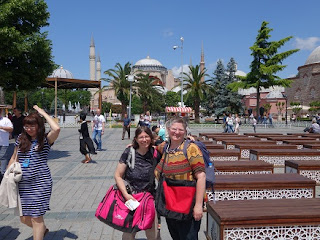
pixel 83 116
pixel 154 128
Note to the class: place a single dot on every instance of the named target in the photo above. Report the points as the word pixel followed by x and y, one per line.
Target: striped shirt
pixel 35 186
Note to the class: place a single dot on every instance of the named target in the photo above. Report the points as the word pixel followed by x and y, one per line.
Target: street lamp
pixel 286 97
pixel 130 79
pixel 181 73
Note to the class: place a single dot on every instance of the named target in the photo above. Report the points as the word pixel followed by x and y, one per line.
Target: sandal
pixel 46 232
pixel 87 161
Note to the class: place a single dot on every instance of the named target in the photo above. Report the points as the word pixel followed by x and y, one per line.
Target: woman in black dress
pixel 86 144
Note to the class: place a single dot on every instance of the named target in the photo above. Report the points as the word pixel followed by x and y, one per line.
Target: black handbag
pixel 175 199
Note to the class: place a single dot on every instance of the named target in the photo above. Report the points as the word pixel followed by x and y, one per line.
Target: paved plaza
pixel 78 188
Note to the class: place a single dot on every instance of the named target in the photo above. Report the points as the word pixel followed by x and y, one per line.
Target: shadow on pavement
pixel 8 232
pixel 58 235
pixel 55 154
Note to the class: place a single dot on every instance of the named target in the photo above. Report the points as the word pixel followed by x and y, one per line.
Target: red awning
pixel 179 109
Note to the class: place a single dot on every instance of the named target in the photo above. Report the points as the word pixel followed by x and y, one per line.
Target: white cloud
pixel 292 75
pixel 306 44
pixel 167 33
pixel 176 70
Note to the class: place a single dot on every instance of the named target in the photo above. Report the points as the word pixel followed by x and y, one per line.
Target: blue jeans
pixel 230 128
pixel 96 136
pixel 4 158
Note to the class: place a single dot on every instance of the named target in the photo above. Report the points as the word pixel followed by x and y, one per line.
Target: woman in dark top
pixel 138 177
pixel 85 140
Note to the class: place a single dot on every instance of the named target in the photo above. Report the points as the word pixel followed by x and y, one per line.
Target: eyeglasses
pixel 29 128
pixel 177 130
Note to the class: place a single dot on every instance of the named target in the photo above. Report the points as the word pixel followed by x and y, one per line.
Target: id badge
pixel 26 163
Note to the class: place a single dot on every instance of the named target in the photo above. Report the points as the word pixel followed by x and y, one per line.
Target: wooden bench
pixel 245 148
pixel 242 167
pixel 309 169
pixel 219 139
pixel 277 157
pixel 204 135
pixel 230 144
pixel 262 134
pixel 224 155
pixel 262 186
pixel 300 143
pixel 266 219
pixel 312 146
pixel 214 146
pixel 283 139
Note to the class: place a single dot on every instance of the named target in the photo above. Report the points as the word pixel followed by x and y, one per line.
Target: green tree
pixel 195 87
pixel 120 84
pixel 136 105
pixel 314 107
pixel 25 51
pixel 296 107
pixel 266 63
pixel 172 99
pixel 224 99
pixel 146 90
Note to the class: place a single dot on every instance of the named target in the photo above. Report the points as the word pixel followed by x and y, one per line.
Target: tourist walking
pixel 126 126
pixel 138 177
pixel 229 122
pixel 254 124
pixel 6 128
pixel 98 125
pixel 237 127
pixel 147 119
pixel 175 165
pixel 17 122
pixel 86 144
pixel 31 149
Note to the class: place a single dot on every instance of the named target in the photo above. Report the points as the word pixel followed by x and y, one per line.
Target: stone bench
pixel 277 157
pixel 224 155
pixel 266 219
pixel 242 167
pixel 245 148
pixel 262 186
pixel 309 169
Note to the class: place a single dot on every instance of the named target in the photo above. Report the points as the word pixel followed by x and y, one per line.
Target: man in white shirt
pixel 98 124
pixel 6 128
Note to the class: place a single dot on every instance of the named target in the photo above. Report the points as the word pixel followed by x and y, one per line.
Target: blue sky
pixel 127 31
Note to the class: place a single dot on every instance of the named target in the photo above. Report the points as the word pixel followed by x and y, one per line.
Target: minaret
pixel 202 62
pixel 98 68
pixel 92 58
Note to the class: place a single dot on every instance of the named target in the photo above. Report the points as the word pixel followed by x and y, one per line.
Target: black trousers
pixel 183 230
pixel 86 146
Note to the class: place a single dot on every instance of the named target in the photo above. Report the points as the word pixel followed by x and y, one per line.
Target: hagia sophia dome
pixel 149 64
pixel 314 57
pixel 61 73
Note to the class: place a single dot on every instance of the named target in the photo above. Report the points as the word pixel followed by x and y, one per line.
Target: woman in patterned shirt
pixel 176 166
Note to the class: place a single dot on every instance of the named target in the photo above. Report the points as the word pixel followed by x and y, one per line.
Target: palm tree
pixel 195 87
pixel 119 82
pixel 145 88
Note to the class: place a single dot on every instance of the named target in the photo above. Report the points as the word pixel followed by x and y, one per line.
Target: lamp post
pixel 181 73
pixel 130 79
pixel 286 97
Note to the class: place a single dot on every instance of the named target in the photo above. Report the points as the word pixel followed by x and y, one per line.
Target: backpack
pixel 209 166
